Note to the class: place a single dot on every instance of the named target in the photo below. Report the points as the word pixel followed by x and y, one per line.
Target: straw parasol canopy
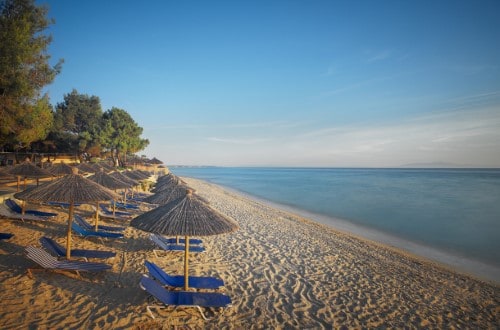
pixel 122 177
pixel 72 188
pixel 86 168
pixel 155 161
pixel 28 170
pixel 136 175
pixel 167 195
pixel 109 182
pixel 166 182
pixel 188 216
pixel 60 169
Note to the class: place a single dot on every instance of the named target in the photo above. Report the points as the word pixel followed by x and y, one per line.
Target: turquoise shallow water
pixel 453 210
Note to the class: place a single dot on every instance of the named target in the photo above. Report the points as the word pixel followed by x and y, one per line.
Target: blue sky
pixel 291 83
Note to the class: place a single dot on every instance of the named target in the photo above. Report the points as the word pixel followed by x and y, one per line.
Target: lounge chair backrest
pixel 47 261
pixel 83 232
pixel 51 246
pixel 5 235
pixel 192 241
pixel 158 273
pixel 155 239
pixel 13 205
pixel 159 292
pixel 17 209
pixel 79 230
pixel 81 222
pixel 86 225
pixel 184 298
pixel 8 213
pixel 41 257
pixel 106 211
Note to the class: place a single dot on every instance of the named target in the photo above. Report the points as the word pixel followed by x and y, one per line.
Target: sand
pixel 281 271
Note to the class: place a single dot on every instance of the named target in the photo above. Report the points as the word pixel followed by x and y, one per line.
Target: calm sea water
pixel 454 210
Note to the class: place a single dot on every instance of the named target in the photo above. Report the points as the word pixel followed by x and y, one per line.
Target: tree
pixel 24 71
pixel 120 135
pixel 77 123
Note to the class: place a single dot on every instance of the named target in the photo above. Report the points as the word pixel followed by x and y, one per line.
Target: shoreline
pixel 281 270
pixel 453 261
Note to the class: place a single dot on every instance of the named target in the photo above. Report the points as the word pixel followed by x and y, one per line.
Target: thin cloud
pixel 442 137
pixel 359 84
pixel 379 56
pixel 250 141
pixel 263 124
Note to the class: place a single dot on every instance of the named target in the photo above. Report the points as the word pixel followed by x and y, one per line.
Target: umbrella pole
pixel 68 238
pixel 18 183
pixel 186 268
pixel 23 208
pixel 97 218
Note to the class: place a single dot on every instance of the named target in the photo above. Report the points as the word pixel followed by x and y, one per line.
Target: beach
pixel 280 270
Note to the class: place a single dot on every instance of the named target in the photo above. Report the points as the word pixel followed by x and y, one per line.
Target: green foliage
pixel 77 123
pixel 120 134
pixel 24 71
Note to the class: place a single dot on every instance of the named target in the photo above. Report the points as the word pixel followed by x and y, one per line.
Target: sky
pixel 291 83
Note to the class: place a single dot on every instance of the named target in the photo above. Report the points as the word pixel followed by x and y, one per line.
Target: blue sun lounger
pixel 183 298
pixel 89 233
pixel 48 262
pixel 172 247
pixel 5 235
pixel 128 206
pixel 56 249
pixel 194 241
pixel 63 205
pixel 177 281
pixel 109 213
pixel 85 225
pixel 17 209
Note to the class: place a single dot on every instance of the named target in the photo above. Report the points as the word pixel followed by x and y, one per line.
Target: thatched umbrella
pixel 109 182
pixel 136 175
pixel 167 195
pixel 122 177
pixel 188 216
pixel 155 162
pixel 28 170
pixel 60 169
pixel 166 182
pixel 72 188
pixel 107 167
pixel 86 168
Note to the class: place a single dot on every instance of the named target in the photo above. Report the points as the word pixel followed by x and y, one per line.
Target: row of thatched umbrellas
pixel 27 169
pixel 71 188
pixel 182 213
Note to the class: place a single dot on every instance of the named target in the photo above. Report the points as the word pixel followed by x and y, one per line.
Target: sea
pixel 450 215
